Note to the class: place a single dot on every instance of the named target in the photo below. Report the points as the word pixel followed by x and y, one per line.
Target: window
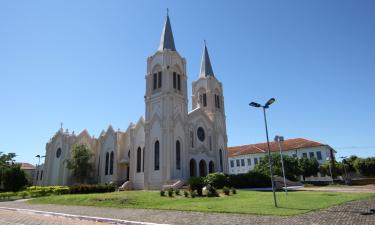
pixel 255 161
pixel 319 155
pixel 37 175
pixel 311 154
pixel 139 160
pixel 192 168
pixel 156 156
pixel 178 155
pixel 221 160
pixel 174 80
pixel 232 163
pixel 41 175
pixel 217 101
pixel 111 164
pixel 237 162
pixel 106 163
pixel 58 153
pixel 211 167
pixel 192 138
pixel 249 161
pixel 155 81
pixel 179 82
pixel 159 80
pixel 204 100
pixel 242 162
pixel 304 155
pixel 143 160
pixel 200 134
pixel 210 142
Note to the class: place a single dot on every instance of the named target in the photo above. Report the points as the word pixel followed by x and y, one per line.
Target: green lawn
pixel 248 202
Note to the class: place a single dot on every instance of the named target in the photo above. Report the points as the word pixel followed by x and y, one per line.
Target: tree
pixel 308 167
pixel 5 162
pixel 14 178
pixel 365 166
pixel 80 164
pixel 349 163
pixel 324 169
pixel 292 170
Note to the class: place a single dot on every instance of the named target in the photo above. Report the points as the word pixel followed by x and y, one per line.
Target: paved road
pixel 364 189
pixel 346 214
pixel 23 218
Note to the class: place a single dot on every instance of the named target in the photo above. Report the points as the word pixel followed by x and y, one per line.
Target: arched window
pixel 192 168
pixel 202 168
pixel 221 160
pixel 178 155
pixel 106 163
pixel 211 167
pixel 157 156
pixel 139 160
pixel 143 160
pixel 111 164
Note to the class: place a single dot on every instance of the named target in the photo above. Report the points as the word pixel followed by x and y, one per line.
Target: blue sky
pixel 83 63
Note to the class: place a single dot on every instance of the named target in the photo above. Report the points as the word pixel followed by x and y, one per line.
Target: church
pixel 168 144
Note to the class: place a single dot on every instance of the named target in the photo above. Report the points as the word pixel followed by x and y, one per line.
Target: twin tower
pixel 181 144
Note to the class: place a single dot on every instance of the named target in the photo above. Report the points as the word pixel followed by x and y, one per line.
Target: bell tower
pixel 166 112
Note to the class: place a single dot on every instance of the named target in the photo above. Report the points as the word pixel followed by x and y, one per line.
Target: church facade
pixel 169 143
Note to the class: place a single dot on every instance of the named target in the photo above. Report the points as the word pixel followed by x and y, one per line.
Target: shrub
pixel 186 194
pixel 61 190
pixel 226 190
pixel 7 195
pixel 193 194
pixel 91 188
pixel 252 179
pixel 217 180
pixel 234 191
pixel 23 194
pixel 162 193
pixel 196 184
pixel 177 192
pixel 212 191
pixel 365 166
pixel 170 192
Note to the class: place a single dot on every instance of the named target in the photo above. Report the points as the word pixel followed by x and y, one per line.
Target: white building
pixel 243 158
pixel 168 143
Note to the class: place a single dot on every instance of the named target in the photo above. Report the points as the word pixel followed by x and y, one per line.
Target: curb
pixel 79 217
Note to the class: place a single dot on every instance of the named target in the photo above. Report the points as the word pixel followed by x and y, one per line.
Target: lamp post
pixel 343 164
pixel 330 169
pixel 264 107
pixel 280 139
pixel 37 167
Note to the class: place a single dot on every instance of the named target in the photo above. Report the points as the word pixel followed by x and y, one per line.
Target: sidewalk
pixel 346 214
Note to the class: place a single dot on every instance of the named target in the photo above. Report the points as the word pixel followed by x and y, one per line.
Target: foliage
pixel 14 178
pixel 324 168
pixel 193 194
pixel 212 191
pixel 80 164
pixel 349 163
pixel 38 191
pixel 226 190
pixel 91 188
pixel 365 166
pixel 217 180
pixel 162 193
pixel 7 195
pixel 177 192
pixel 309 167
pixel 291 167
pixel 196 184
pixel 6 161
pixel 186 194
pixel 23 194
pixel 170 192
pixel 234 191
pixel 251 179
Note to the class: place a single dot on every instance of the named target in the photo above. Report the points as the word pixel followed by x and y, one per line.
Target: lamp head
pixel 269 102
pixel 254 104
pixel 38 156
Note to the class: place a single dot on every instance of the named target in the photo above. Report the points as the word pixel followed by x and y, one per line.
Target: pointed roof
pixel 206 68
pixel 166 40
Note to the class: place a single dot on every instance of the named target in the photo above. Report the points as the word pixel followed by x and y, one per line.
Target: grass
pixel 247 202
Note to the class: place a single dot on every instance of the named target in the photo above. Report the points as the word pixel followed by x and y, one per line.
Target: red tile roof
pixel 27 166
pixel 289 144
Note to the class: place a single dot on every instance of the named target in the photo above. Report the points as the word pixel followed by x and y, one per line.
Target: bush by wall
pixel 217 180
pixel 196 184
pixel 91 188
pixel 251 179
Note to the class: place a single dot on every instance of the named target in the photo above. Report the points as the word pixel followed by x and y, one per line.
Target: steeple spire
pixel 206 68
pixel 166 40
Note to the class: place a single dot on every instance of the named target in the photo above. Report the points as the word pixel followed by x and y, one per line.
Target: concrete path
pixel 346 214
pixel 365 188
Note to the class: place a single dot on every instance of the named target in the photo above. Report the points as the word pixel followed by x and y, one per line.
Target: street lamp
pixel 37 167
pixel 266 106
pixel 280 139
pixel 344 165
